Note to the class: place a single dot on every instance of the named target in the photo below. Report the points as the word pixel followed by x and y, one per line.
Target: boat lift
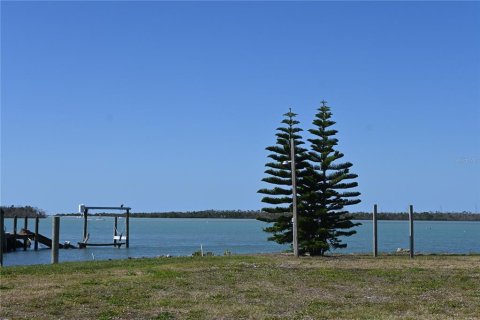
pixel 117 238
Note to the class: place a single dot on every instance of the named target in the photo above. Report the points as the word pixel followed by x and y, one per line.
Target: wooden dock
pixel 14 241
pixel 23 239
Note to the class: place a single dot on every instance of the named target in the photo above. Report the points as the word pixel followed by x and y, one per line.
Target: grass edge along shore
pixel 274 286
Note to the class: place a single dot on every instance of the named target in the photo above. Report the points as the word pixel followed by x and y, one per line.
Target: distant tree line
pixel 214 214
pixel 221 214
pixel 22 212
pixel 225 214
pixel 428 216
pixel 269 217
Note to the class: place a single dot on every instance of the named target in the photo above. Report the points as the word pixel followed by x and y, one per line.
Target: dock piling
pixel 2 236
pixel 25 240
pixel 37 221
pixel 15 218
pixel 410 217
pixel 55 238
pixel 375 238
pixel 127 242
pixel 115 225
pixel 85 214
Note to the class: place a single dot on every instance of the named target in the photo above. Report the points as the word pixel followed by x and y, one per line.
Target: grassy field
pixel 246 287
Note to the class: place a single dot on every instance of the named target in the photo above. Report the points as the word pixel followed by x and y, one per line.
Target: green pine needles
pixel 280 174
pixel 323 185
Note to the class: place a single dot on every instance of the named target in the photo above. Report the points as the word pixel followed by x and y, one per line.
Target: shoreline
pixel 404 254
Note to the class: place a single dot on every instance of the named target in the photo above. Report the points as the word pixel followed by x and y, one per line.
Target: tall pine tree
pixel 326 192
pixel 279 174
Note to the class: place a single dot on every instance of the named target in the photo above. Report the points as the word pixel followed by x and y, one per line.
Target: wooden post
pixel 410 217
pixel 25 240
pixel 294 198
pixel 2 236
pixel 375 239
pixel 55 238
pixel 37 221
pixel 115 224
pixel 127 227
pixel 85 214
pixel 15 218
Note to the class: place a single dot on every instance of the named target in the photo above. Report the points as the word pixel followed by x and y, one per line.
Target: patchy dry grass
pixel 246 287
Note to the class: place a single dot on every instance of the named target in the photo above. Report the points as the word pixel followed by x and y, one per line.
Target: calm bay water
pixel 151 237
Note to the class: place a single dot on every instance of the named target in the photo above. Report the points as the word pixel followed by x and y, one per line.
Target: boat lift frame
pixel 84 210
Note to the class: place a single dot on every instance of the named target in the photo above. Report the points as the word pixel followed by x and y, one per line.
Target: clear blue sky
pixel 169 106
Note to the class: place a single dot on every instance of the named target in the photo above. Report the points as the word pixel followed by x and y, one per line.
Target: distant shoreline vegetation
pixel 22 212
pixel 32 212
pixel 264 216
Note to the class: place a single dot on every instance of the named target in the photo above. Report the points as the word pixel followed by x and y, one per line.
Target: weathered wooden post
pixel 375 239
pixel 410 217
pixel 127 227
pixel 85 214
pixel 25 240
pixel 115 224
pixel 37 221
pixel 55 238
pixel 15 218
pixel 2 236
